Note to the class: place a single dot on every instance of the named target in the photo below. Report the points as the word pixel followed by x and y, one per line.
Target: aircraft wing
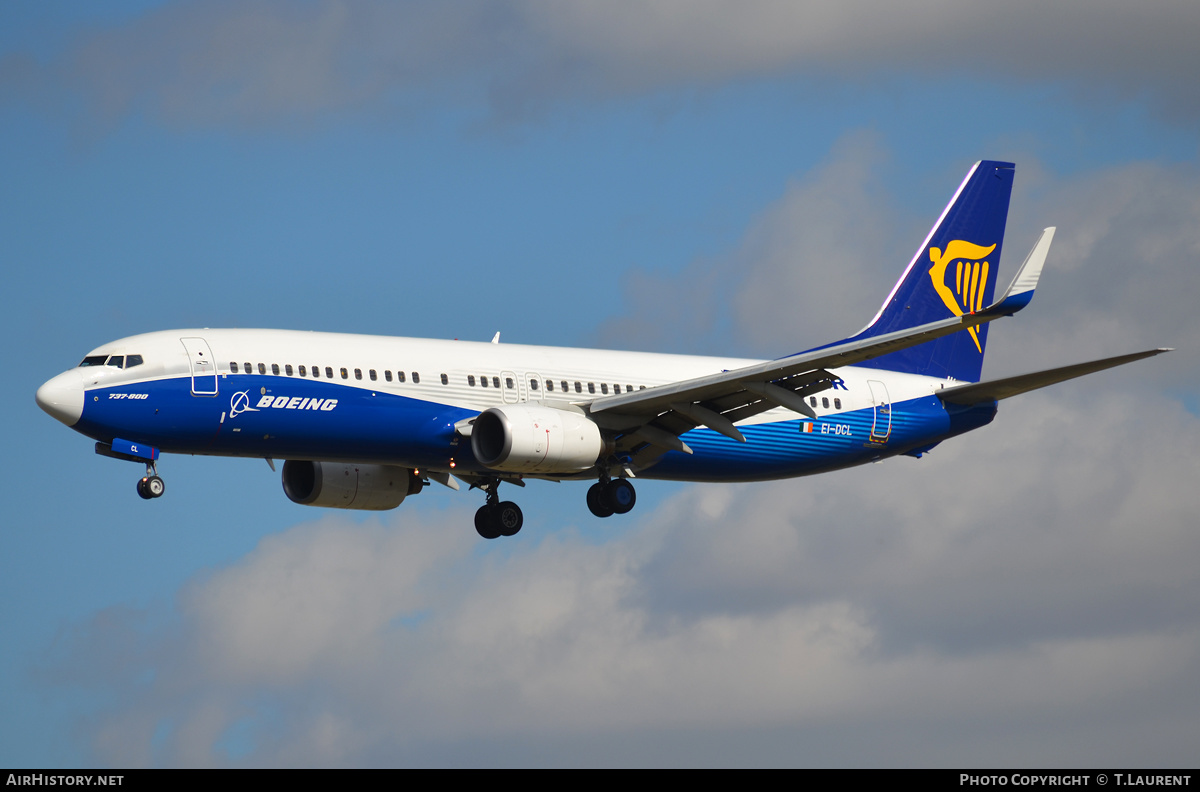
pixel 655 417
pixel 995 390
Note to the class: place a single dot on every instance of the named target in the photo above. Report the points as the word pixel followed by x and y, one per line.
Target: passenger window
pixel 94 360
pixel 813 401
pixel 372 375
pixel 262 368
pixel 564 386
pixel 496 382
pixel 591 387
pixel 629 389
pixel 357 374
pixel 642 387
pixel 133 360
pixel 248 369
pixel 549 385
pixel 303 371
pixel 345 374
pixel 825 401
pixel 837 404
pixel 578 387
pixel 533 385
pixel 616 388
pixel 387 375
pixel 471 380
pixel 399 376
pixel 483 382
pixel 233 368
pixel 287 369
pixel 445 380
pixel 329 372
pixel 117 361
pixel 275 369
pixel 316 372
pixel 416 378
pixel 508 383
pixel 604 387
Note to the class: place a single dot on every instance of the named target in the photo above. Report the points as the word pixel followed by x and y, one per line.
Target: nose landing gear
pixel 611 496
pixel 150 485
pixel 497 518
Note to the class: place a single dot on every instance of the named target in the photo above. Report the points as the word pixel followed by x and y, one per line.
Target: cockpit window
pixel 117 361
pixel 93 360
pixel 133 360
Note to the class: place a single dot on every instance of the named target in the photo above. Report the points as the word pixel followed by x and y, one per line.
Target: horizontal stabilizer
pixel 994 390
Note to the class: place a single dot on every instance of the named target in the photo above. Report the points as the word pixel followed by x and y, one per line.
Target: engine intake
pixel 526 438
pixel 338 485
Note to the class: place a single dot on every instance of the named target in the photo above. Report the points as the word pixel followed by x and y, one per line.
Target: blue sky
pixel 730 178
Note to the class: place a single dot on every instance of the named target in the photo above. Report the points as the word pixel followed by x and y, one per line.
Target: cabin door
pixel 204 368
pixel 882 425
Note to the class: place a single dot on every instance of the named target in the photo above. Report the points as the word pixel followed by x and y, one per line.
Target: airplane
pixel 365 421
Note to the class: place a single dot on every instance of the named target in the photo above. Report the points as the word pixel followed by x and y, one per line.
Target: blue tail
pixel 953 273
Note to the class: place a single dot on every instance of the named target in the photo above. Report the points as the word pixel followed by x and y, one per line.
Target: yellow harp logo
pixel 970 275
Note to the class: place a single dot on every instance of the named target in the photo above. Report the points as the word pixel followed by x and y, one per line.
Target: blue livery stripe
pixel 303 419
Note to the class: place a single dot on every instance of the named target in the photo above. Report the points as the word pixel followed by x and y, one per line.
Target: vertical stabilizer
pixel 953 273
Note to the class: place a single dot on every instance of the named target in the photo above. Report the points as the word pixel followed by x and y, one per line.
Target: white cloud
pixel 232 63
pixel 1118 278
pixel 813 267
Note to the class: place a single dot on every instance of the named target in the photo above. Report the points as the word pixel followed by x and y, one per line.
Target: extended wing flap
pixel 657 400
pixel 995 390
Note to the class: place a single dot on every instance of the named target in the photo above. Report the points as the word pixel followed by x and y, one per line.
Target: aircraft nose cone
pixel 62 397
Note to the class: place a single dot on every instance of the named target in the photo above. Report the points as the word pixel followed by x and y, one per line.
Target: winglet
pixel 1020 291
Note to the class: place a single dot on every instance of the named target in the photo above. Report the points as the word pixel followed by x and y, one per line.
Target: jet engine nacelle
pixel 341 486
pixel 527 438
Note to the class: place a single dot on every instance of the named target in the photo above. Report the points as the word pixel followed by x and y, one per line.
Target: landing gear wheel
pixel 620 496
pixel 155 486
pixel 487 523
pixel 497 518
pixel 597 503
pixel 509 518
pixel 143 493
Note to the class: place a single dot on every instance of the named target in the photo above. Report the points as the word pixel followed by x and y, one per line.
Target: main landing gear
pixel 150 485
pixel 611 496
pixel 497 518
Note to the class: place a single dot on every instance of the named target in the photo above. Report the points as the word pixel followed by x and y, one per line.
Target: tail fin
pixel 953 273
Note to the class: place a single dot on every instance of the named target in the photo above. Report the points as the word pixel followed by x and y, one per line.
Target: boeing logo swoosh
pixel 240 403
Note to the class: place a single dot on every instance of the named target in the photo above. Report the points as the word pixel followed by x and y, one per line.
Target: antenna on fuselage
pixel 496 338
